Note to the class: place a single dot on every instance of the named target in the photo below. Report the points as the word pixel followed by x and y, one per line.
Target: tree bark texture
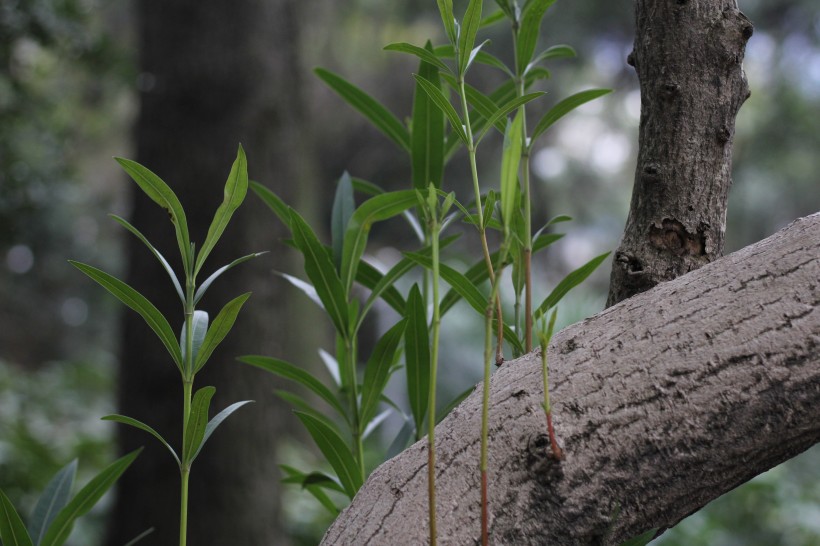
pixel 662 402
pixel 213 75
pixel 688 55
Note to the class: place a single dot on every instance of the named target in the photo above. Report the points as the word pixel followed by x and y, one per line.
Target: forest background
pixel 71 81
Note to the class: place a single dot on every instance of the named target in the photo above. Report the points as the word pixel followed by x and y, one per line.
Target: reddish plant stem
pixel 557 452
pixel 485 513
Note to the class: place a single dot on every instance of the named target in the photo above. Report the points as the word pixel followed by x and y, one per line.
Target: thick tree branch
pixel 663 402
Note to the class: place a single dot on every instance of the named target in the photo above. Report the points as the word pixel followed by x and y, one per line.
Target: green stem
pixel 471 150
pixel 358 445
pixel 431 409
pixel 185 468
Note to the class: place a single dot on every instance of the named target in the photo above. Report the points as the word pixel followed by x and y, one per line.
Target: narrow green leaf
pixel 236 188
pixel 159 192
pixel 445 8
pixel 506 109
pixel 142 426
pixel 493 18
pixel 510 161
pixel 381 286
pixel 466 39
pixel 564 107
pixel 215 275
pixel 83 501
pixel 319 269
pixel 422 53
pixel 216 421
pixel 417 356
pixel 377 114
pixel 12 530
pixel 438 98
pixel 483 57
pixel 343 207
pixel 568 283
pixel 336 452
pixel 197 421
pixel 273 201
pixel 377 370
pixel 554 52
pixel 138 303
pixel 375 209
pixel 322 480
pixel 315 489
pixel 219 329
pixel 300 404
pixel 54 497
pixel 291 372
pixel 543 240
pixel 427 133
pixel 305 287
pixel 200 326
pixel 366 187
pixel 529 30
pixel 156 253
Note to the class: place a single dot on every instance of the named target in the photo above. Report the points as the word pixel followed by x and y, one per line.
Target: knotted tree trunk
pixel 688 55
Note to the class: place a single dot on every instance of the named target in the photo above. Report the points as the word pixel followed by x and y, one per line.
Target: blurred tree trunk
pixel 688 58
pixel 213 75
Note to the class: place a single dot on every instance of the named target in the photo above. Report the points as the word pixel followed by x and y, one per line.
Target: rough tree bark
pixel 663 402
pixel 213 75
pixel 688 55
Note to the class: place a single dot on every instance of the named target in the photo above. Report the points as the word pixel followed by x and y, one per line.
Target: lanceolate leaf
pixel 554 52
pixel 343 207
pixel 300 404
pixel 220 327
pixel 235 190
pixel 291 372
pixel 215 275
pixel 142 426
pixel 375 209
pixel 12 530
pixel 483 57
pixel 197 421
pixel 273 201
pixel 377 370
pixel 493 18
pixel 378 115
pixel 199 327
pixel 216 421
pixel 506 109
pixel 564 107
pixel 87 497
pixel 335 451
pixel 160 193
pixel 438 98
pixel 528 31
pixel 427 134
pixel 568 283
pixel 319 269
pixel 156 253
pixel 417 356
pixel 138 303
pixel 422 53
pixel 54 498
pixel 445 7
pixel 466 39
pixel 381 286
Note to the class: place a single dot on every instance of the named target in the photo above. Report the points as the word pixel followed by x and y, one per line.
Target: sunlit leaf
pixel 510 161
pixel 466 39
pixel 528 31
pixel 427 134
pixel 138 303
pixel 445 8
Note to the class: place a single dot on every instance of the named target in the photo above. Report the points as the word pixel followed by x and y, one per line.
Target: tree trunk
pixel 662 403
pixel 688 56
pixel 213 75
